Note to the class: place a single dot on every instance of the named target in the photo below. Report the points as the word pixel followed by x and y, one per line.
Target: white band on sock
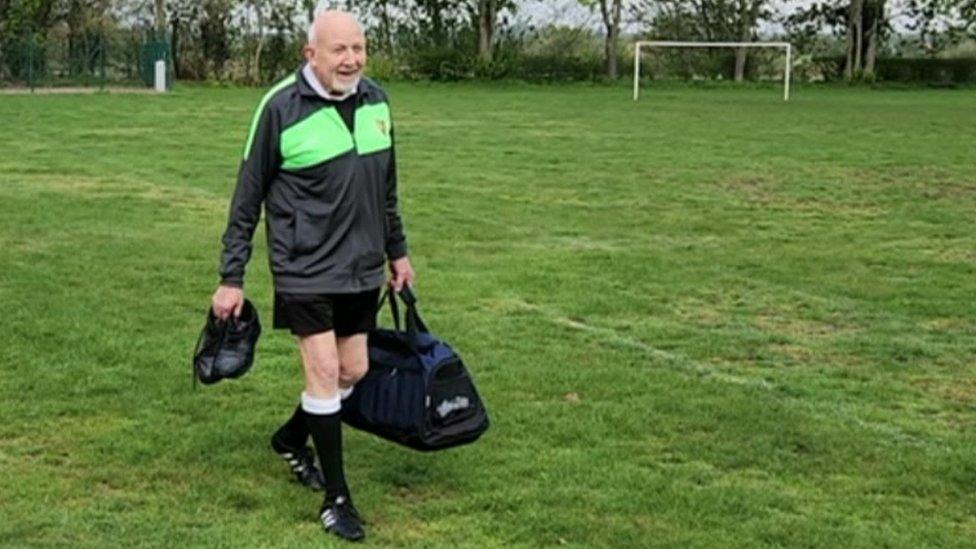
pixel 344 393
pixel 320 406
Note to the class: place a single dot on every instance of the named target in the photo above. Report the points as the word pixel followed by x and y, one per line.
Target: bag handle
pixel 408 297
pixel 394 308
pixel 414 324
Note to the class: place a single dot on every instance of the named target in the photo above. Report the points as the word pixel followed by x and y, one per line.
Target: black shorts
pixel 307 314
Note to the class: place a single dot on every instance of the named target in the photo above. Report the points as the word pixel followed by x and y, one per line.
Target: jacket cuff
pixel 396 250
pixel 232 280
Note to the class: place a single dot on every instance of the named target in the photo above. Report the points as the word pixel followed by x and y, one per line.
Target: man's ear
pixel 308 52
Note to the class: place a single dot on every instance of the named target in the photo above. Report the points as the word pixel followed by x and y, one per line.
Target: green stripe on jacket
pixel 320 137
pixel 287 81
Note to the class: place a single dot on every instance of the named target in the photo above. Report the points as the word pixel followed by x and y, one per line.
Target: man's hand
pixel 227 301
pixel 402 273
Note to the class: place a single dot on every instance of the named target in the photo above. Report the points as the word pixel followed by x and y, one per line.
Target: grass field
pixel 707 319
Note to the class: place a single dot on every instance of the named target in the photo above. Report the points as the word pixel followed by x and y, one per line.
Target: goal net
pixel 640 46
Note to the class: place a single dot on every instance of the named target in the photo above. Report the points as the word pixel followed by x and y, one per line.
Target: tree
pixel 941 23
pixel 487 12
pixel 17 17
pixel 215 35
pixel 748 17
pixel 382 21
pixel 482 20
pixel 159 16
pixel 182 14
pixel 863 23
pixel 256 10
pixel 610 11
pixel 706 21
pixel 86 21
pixel 485 20
pixel 23 26
pixel 284 33
pixel 437 24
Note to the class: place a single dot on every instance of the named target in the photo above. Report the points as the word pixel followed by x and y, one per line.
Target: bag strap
pixel 394 308
pixel 408 297
pixel 414 324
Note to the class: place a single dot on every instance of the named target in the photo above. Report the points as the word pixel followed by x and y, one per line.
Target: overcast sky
pixel 569 11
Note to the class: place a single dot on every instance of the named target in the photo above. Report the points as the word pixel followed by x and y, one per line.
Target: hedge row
pixel 940 72
pixel 453 64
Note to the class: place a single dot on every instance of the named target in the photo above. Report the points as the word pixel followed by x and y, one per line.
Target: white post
pixel 789 68
pixel 160 75
pixel 636 69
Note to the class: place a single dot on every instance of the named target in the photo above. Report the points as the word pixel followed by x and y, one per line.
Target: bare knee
pixel 321 362
pixel 353 359
pixel 351 371
pixel 323 372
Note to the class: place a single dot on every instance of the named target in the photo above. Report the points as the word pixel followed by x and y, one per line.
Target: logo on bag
pixel 383 127
pixel 452 405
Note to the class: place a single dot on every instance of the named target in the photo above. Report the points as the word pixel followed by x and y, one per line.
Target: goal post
pixel 670 44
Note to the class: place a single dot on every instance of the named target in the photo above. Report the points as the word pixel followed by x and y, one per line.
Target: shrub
pixel 926 70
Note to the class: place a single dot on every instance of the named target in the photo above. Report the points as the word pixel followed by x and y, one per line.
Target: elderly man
pixel 319 156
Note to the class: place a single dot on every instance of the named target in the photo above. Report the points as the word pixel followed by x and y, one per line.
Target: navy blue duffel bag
pixel 417 392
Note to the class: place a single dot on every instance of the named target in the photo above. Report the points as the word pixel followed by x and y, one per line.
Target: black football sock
pixel 322 416
pixel 293 434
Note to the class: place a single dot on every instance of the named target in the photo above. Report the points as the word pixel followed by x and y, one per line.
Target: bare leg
pixel 320 358
pixel 353 359
pixel 321 404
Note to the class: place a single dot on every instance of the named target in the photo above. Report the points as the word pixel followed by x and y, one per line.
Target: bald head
pixel 336 50
pixel 330 21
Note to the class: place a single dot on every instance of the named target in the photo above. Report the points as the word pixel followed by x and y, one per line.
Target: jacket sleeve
pixel 261 160
pixel 396 241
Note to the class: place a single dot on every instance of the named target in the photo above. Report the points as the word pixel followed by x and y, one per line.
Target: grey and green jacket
pixel 329 193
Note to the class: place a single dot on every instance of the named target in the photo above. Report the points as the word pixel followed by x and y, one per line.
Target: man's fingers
pixel 227 302
pixel 398 282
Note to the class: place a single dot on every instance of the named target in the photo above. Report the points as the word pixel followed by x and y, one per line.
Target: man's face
pixel 338 55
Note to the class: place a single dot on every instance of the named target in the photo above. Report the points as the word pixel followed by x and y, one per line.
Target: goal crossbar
pixel 669 44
